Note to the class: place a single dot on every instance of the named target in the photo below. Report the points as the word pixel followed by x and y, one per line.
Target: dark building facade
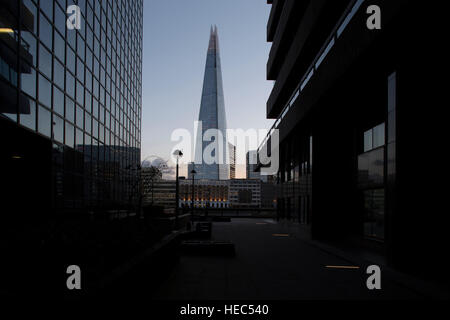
pixel 70 103
pixel 349 103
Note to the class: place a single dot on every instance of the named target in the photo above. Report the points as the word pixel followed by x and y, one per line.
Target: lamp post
pixel 178 154
pixel 193 172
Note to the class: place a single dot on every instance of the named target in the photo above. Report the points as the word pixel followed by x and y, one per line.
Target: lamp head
pixel 178 153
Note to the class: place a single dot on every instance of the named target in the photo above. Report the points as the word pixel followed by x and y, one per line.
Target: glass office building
pixel 212 117
pixel 70 104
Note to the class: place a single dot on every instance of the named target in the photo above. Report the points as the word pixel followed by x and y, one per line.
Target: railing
pixel 320 57
pixel 232 212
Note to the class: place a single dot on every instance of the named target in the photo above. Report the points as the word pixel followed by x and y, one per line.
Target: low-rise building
pixel 245 193
pixel 207 193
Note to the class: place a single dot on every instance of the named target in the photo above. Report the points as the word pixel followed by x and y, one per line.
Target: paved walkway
pixel 272 262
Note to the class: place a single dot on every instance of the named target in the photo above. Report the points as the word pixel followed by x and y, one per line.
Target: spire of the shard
pixel 212 48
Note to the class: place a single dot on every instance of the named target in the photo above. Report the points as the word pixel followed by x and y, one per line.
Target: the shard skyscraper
pixel 212 116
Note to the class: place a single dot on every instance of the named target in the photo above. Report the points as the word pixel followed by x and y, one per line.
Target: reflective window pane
pixel 80 117
pixel 28 119
pixel 47 8
pixel 378 136
pixel 69 135
pixel 58 128
pixel 70 60
pixel 60 47
pixel 28 81
pixel 60 20
pixel 79 138
pixel 45 61
pixel 58 74
pixel 87 123
pixel 58 101
pixel 44 121
pixel 45 32
pixel 70 109
pixel 368 145
pixel 70 85
pixel 45 91
pixel 29 42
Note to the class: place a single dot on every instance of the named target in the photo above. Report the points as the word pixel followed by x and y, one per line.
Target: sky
pixel 176 35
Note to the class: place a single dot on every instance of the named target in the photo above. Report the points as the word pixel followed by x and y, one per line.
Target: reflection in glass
pixel 368 140
pixel 47 8
pixel 79 117
pixel 60 20
pixel 29 120
pixel 45 91
pixel 58 101
pixel 70 109
pixel 60 47
pixel 378 136
pixel 374 213
pixel 79 139
pixel 58 128
pixel 44 121
pixel 70 59
pixel 58 75
pixel 87 123
pixel 371 168
pixel 45 61
pixel 70 85
pixel 30 42
pixel 28 82
pixel 45 31
pixel 70 135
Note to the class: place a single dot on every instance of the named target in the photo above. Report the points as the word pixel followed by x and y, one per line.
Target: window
pixel 70 63
pixel 44 120
pixel 60 20
pixel 88 102
pixel 80 117
pixel 87 123
pixel 70 109
pixel 70 135
pixel 58 128
pixel 29 119
pixel 58 101
pixel 45 61
pixel 60 47
pixel 29 42
pixel 79 138
pixel 58 74
pixel 368 145
pixel 378 136
pixel 374 213
pixel 47 8
pixel 32 8
pixel 80 47
pixel 80 70
pixel 70 85
pixel 71 38
pixel 45 91
pixel 45 31
pixel 374 138
pixel 80 93
pixel 28 80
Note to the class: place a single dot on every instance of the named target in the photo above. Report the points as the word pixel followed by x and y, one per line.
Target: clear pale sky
pixel 176 34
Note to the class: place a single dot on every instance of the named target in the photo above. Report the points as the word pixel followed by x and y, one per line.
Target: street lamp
pixel 178 154
pixel 193 172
